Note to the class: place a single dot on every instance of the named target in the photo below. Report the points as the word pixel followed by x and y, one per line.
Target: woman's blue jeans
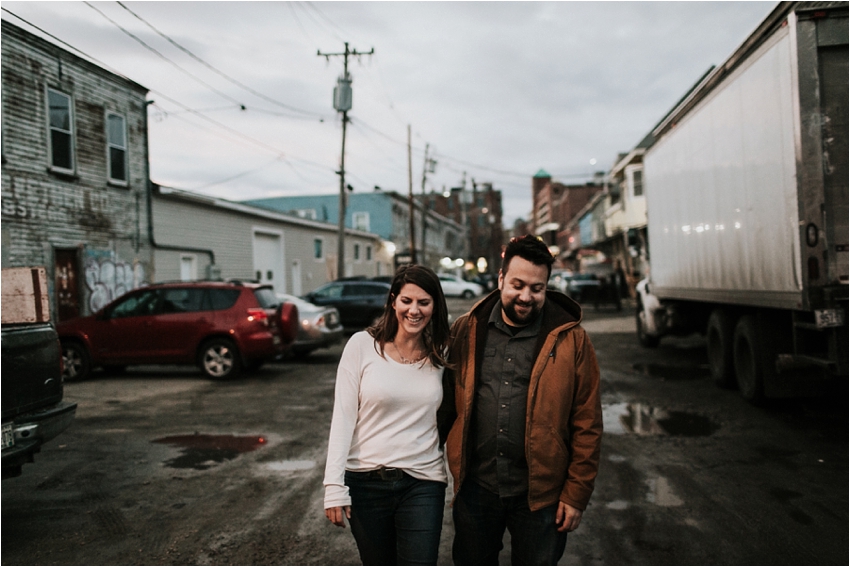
pixel 396 520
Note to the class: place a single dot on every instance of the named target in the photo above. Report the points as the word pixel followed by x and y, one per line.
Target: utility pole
pixel 410 198
pixel 473 240
pixel 427 167
pixel 342 103
pixel 463 215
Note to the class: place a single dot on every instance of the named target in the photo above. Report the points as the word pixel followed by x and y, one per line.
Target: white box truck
pixel 747 219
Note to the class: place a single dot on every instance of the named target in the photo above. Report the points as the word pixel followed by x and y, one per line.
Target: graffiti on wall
pixel 108 277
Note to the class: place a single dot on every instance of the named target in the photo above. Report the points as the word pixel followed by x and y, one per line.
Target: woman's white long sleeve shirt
pixel 385 415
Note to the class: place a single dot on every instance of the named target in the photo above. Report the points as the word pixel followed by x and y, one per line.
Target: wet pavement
pixel 165 467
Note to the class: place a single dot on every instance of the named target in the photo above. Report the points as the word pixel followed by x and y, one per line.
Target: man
pixel 521 416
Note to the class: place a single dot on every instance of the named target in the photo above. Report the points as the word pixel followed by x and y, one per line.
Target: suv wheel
pixel 219 359
pixel 75 360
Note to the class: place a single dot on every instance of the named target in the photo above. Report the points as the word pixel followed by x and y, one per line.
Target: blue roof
pixel 542 173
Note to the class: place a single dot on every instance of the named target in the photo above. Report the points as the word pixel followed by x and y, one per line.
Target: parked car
pixel 584 288
pixel 359 301
pixel 488 282
pixel 559 279
pixel 221 327
pixel 33 409
pixel 318 326
pixel 453 286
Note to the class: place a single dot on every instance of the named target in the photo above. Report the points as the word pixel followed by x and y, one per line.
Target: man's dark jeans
pixel 480 519
pixel 396 521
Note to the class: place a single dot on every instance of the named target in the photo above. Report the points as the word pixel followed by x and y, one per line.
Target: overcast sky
pixel 498 89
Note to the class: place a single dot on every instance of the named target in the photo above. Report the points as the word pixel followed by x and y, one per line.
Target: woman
pixel 385 470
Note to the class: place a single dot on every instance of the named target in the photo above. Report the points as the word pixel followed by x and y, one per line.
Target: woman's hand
pixel 337 515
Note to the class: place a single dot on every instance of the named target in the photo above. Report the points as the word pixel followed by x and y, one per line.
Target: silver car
pixel 318 326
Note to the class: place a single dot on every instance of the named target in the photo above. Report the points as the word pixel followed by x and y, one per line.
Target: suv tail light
pixel 258 314
pixel 288 319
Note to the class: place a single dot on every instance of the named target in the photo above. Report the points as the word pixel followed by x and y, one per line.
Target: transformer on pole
pixel 342 103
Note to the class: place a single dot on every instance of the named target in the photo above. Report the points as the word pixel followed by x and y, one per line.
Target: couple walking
pixel 510 394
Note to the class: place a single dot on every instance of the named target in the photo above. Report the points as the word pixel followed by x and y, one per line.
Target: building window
pixel 637 182
pixel 318 249
pixel 306 213
pixel 116 142
pixel 368 253
pixel 188 267
pixel 61 130
pixel 360 220
pixel 357 252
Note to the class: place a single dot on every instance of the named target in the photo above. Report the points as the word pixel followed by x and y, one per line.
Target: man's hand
pixel 337 515
pixel 567 518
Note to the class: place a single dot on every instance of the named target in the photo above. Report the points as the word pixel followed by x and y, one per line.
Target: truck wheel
pixel 748 365
pixel 719 335
pixel 75 361
pixel 219 359
pixel 645 339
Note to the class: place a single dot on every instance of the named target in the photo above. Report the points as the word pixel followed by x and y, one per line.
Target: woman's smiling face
pixel 413 309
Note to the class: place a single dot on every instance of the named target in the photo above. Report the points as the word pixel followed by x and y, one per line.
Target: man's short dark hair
pixel 530 248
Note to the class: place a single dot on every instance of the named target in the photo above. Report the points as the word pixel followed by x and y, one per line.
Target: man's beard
pixel 516 318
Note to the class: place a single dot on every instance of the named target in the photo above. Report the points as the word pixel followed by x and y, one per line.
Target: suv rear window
pixel 266 298
pixel 223 298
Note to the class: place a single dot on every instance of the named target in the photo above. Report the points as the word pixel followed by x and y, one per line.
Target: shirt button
pixel 501 454
pixel 504 405
pixel 501 431
pixel 509 359
pixel 506 382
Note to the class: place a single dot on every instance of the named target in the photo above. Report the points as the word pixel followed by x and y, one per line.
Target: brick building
pixel 556 204
pixel 74 173
pixel 480 211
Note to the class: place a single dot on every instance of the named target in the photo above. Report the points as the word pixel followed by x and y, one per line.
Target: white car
pixel 453 286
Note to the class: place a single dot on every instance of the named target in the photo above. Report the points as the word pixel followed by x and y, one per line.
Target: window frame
pixel 125 149
pixel 321 250
pixel 71 133
pixel 630 176
pixel 192 264
pixel 362 216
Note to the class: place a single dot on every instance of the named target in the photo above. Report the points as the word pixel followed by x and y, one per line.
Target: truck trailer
pixel 746 190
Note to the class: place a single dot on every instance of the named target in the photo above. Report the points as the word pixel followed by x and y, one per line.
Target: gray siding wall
pixel 230 236
pixel 44 210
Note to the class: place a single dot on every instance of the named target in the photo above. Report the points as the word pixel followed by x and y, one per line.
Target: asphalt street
pixel 163 466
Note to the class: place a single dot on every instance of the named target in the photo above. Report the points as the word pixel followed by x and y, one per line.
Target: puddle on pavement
pixel 641 419
pixel 667 372
pixel 201 452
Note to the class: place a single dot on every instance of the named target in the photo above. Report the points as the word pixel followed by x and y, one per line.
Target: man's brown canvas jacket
pixel 563 428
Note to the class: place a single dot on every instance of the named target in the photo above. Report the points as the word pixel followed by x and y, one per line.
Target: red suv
pixel 221 327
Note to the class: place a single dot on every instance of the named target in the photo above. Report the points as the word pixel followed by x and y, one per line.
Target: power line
pixel 315 21
pixel 111 69
pixel 218 72
pixel 324 17
pixel 237 176
pixel 166 59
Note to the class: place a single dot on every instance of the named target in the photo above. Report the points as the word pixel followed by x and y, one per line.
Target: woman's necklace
pixel 416 355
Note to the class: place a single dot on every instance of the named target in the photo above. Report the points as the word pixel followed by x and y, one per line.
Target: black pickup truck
pixel 33 410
